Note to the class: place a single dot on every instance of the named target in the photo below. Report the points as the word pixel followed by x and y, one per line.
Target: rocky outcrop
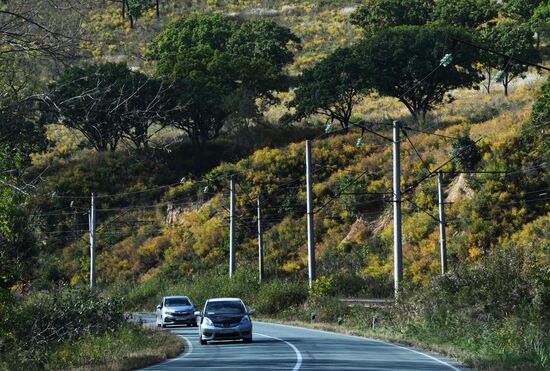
pixel 175 212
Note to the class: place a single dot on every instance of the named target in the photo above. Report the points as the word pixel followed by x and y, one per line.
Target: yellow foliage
pixel 377 268
pixel 475 253
pixel 64 142
pixel 292 266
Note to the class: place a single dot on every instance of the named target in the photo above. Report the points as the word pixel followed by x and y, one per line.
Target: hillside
pixel 351 224
pixel 322 26
pixel 155 113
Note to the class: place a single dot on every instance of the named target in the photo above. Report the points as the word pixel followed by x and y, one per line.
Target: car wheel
pixel 247 340
pixel 163 325
pixel 203 342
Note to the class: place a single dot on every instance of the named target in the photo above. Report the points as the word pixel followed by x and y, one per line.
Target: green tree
pixel 331 88
pixel 220 66
pixel 540 120
pixel 514 40
pixel 106 103
pixel 520 10
pixel 468 13
pixel 17 243
pixel 19 129
pixel 136 8
pixel 407 63
pixel 466 154
pixel 375 15
pixel 540 21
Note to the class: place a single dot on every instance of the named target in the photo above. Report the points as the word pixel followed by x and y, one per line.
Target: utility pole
pixel 310 235
pixel 397 237
pixel 231 227
pixel 442 236
pixel 91 219
pixel 260 244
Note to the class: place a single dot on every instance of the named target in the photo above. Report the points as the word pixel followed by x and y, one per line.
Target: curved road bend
pixel 281 347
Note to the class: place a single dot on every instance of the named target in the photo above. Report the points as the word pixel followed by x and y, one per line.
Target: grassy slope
pixel 322 27
pixel 151 255
pixel 128 349
pixel 203 231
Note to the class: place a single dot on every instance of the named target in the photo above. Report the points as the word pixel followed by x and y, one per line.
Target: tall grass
pixel 129 347
pixel 79 328
pixel 269 298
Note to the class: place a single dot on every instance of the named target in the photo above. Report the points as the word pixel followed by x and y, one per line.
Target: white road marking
pixel 366 339
pixel 298 354
pixel 189 344
pixel 185 354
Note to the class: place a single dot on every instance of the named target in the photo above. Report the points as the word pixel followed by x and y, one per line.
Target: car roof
pixel 224 299
pixel 176 297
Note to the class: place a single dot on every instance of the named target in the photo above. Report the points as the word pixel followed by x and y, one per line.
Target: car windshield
pixel 225 307
pixel 177 302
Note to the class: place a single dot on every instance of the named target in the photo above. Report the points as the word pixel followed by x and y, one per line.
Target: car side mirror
pixel 251 312
pixel 159 306
pixel 198 313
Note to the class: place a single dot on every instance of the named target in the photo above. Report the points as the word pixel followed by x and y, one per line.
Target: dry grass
pixel 165 345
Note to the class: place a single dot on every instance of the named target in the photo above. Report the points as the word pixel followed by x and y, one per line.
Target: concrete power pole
pixel 310 235
pixel 397 237
pixel 260 244
pixel 442 236
pixel 92 221
pixel 231 227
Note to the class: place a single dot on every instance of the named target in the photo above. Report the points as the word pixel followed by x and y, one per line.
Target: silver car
pixel 175 310
pixel 225 319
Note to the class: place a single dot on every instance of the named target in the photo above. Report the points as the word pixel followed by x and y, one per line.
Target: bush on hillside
pixel 275 297
pixel 497 309
pixel 47 320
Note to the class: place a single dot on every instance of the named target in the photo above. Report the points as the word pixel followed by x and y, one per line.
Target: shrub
pixel 496 310
pixel 322 288
pixel 46 320
pixel 331 309
pixel 277 296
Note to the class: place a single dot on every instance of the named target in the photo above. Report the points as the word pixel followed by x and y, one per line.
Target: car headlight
pixel 206 321
pixel 169 313
pixel 245 320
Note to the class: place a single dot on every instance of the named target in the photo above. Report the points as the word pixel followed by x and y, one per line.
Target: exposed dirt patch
pixel 459 189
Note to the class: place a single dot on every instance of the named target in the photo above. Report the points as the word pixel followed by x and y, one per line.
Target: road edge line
pixel 298 354
pixel 367 339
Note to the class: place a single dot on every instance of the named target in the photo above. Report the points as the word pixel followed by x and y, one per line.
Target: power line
pixel 511 57
pixel 428 133
pixel 117 194
pixel 433 172
pixel 426 166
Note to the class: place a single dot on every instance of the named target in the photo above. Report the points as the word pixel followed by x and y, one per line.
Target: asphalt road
pixel 281 347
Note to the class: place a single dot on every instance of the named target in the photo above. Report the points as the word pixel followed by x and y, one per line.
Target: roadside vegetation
pixel 79 328
pixel 154 106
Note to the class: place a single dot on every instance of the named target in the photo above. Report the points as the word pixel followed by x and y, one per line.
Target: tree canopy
pixel 331 87
pixel 375 15
pixel 220 67
pixel 406 63
pixel 469 13
pixel 515 40
pixel 521 10
pixel 465 153
pixel 106 102
pixel 540 118
pixel 540 20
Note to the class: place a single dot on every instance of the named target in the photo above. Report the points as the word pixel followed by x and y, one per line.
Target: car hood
pixel 225 318
pixel 182 309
